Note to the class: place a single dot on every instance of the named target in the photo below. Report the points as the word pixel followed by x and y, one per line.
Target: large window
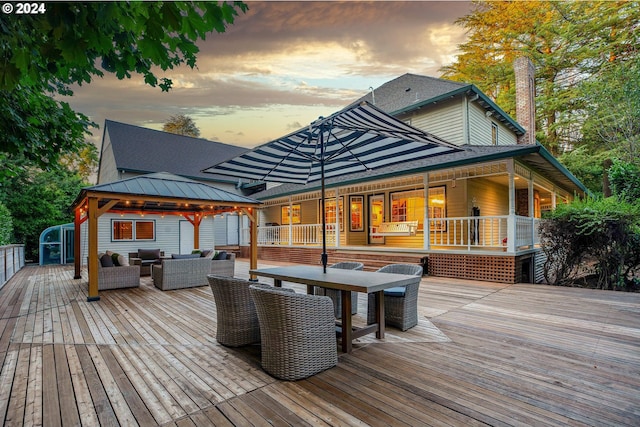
pixel 407 206
pixel 356 206
pixel 437 205
pixel 290 213
pixel 330 212
pixel 133 230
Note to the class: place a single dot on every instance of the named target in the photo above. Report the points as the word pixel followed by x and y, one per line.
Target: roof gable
pixel 142 150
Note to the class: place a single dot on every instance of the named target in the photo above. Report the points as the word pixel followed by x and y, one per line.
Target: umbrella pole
pixel 323 257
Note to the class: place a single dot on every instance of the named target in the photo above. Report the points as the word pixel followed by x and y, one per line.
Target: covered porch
pixel 479 356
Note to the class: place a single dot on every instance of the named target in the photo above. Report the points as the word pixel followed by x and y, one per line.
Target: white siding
pixel 108 171
pixel 446 122
pixel 480 127
pixel 167 235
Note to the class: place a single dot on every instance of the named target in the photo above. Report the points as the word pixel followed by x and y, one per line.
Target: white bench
pixel 402 228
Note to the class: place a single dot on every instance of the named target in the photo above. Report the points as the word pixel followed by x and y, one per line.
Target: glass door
pixel 376 217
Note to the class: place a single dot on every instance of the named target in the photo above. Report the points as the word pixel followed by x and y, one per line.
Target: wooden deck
pixel 482 354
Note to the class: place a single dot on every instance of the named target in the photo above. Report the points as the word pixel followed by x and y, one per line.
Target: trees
pixel 181 125
pixel 570 43
pixel 73 43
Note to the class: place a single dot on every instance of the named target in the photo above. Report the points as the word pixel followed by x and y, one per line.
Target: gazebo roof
pixel 163 192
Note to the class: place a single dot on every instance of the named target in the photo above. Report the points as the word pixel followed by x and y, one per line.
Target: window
pixel 133 230
pixel 437 204
pixel 356 206
pixel 407 206
pixel 494 133
pixel 290 213
pixel 330 212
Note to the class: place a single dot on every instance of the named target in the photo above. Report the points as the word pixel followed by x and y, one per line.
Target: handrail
pixel 11 261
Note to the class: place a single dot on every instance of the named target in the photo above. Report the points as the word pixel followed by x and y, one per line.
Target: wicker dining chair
pixel 297 331
pixel 335 295
pixel 237 322
pixel 400 303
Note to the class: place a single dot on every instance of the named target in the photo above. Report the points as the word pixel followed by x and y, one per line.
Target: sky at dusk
pixel 282 65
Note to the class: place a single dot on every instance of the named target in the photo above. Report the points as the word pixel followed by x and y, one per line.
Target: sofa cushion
pixel 221 255
pixel 123 261
pixel 184 256
pixel 114 257
pixel 106 260
pixel 147 254
pixel 398 291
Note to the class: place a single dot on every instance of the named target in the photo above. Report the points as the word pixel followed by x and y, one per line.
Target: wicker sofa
pixel 224 267
pixel 181 273
pixel 118 277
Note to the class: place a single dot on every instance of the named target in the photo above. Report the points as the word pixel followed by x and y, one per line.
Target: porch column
pixel 532 211
pixel 511 220
pixel 77 256
pixel 93 216
pixel 338 219
pixel 426 235
pixel 290 222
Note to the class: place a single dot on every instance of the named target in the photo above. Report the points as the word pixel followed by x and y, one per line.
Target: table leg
pixel 310 289
pixel 277 283
pixel 346 321
pixel 380 314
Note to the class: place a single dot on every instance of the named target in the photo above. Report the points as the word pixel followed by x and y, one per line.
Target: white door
pixel 186 237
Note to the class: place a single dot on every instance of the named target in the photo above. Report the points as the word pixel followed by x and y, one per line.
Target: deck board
pixel 482 354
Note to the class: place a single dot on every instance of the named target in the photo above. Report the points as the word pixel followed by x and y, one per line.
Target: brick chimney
pixel 525 98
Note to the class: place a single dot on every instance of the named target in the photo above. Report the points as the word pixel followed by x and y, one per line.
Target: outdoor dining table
pixel 345 281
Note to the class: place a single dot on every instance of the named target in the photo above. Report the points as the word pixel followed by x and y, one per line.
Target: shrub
pixel 604 232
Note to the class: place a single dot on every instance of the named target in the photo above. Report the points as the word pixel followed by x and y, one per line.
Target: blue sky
pixel 283 64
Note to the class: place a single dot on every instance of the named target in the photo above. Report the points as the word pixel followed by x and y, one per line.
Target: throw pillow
pixel 114 257
pixel 106 261
pixel 148 254
pixel 122 261
pixel 221 255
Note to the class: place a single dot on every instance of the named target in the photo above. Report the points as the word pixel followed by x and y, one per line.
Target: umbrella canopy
pixel 357 138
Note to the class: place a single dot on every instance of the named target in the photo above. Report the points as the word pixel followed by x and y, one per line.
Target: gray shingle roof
pixel 409 89
pixel 142 150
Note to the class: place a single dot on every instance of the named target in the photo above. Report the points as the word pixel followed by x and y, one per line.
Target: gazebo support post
pixel 93 215
pixel 77 260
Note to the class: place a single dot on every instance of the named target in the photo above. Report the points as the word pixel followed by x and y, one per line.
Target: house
pixel 129 152
pixel 470 214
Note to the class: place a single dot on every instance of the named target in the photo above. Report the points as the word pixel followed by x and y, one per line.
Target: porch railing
pixel 11 260
pixel 470 233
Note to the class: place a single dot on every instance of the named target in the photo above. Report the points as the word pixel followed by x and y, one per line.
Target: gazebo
pixel 158 193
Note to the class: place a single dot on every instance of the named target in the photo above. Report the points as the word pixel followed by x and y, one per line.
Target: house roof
pixel 162 192
pixel 412 92
pixel 536 156
pixel 141 150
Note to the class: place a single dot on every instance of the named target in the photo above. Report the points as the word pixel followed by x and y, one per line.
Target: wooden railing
pixel 11 260
pixel 460 233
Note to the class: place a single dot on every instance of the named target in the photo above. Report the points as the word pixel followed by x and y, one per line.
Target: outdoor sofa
pixel 181 271
pixel 145 258
pixel 117 277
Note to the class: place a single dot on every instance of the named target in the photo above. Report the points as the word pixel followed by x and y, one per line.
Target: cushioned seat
pixel 336 295
pixel 400 303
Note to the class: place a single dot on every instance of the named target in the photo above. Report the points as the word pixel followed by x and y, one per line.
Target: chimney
pixel 525 98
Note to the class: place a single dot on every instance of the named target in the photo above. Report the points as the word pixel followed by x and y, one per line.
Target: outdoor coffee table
pixel 345 281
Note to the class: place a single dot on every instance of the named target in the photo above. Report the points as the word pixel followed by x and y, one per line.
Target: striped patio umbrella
pixel 358 138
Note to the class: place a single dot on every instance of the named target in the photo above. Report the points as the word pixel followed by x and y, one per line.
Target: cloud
pixel 285 63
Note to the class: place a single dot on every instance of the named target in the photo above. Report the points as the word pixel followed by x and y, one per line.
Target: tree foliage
pixel 6 225
pixel 625 181
pixel 181 125
pixel 38 200
pixel 570 43
pixel 73 42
